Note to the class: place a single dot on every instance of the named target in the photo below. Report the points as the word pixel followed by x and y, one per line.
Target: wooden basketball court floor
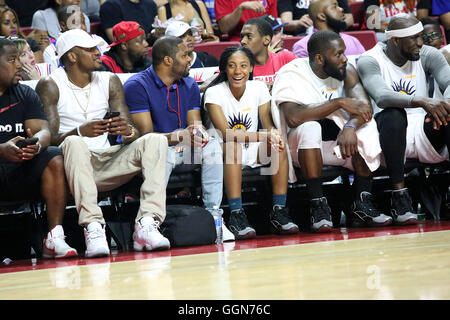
pixel 410 262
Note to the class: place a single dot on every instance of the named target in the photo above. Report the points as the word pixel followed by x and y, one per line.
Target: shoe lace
pixel 281 215
pixel 152 226
pixel 321 212
pixel 403 204
pixel 369 207
pixel 95 234
pixel 240 219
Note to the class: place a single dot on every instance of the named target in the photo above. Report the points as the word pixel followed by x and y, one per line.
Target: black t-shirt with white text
pixel 17 104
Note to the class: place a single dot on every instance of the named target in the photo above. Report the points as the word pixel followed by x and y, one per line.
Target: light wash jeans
pixel 211 161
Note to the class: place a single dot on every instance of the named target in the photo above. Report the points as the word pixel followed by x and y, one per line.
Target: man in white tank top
pixel 410 124
pixel 326 108
pixel 76 100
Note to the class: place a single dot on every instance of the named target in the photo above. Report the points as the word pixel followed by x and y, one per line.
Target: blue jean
pixel 211 160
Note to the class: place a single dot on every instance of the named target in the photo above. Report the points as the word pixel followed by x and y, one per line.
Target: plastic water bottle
pixel 195 23
pixel 217 214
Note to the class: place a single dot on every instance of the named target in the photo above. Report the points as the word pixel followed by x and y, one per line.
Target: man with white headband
pixel 410 124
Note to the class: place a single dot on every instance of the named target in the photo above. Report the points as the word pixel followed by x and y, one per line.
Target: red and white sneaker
pixel 56 247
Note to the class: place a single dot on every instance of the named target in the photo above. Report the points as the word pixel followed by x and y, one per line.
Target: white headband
pixel 405 32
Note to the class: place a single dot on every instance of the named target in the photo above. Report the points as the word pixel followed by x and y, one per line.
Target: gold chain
pixel 78 102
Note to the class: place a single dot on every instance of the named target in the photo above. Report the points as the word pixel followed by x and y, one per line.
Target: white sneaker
pixel 55 246
pixel 227 234
pixel 147 237
pixel 95 237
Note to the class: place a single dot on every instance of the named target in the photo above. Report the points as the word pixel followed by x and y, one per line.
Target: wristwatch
pixel 133 132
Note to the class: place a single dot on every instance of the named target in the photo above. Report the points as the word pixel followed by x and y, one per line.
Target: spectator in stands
pixel 26 9
pixel 9 26
pixel 194 13
pixel 164 99
pixel 410 124
pixel 47 20
pixel 386 10
pixel 32 170
pixel 232 14
pixel 69 18
pixel 329 118
pixel 235 105
pixel 295 13
pixel 276 43
pixel 432 34
pixel 114 11
pixel 209 4
pixel 129 52
pixel 92 9
pixel 437 8
pixel 199 59
pixel 256 35
pixel 30 69
pixel 327 15
pixel 76 100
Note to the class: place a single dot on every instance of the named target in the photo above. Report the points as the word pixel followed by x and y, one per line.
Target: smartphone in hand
pixel 26 142
pixel 111 114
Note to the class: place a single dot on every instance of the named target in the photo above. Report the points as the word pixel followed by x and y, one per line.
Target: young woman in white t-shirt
pixel 235 104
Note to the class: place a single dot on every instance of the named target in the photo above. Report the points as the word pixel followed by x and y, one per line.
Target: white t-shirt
pixel 242 114
pixel 409 79
pixel 47 20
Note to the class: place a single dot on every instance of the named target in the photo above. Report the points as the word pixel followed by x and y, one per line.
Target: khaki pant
pixel 91 171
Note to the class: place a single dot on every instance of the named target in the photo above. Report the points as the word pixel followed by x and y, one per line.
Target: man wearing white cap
pixel 410 124
pixel 77 101
pixel 186 33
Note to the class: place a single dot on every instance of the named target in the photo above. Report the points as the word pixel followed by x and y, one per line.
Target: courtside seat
pixel 26 30
pixel 357 10
pixel 215 48
pixel 289 42
pixel 96 28
pixel 368 38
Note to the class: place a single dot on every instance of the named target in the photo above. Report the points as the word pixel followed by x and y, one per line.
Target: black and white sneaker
pixel 281 222
pixel 364 212
pixel 239 225
pixel 320 215
pixel 401 208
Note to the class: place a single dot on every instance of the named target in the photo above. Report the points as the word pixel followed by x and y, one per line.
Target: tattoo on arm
pixel 49 94
pixel 117 101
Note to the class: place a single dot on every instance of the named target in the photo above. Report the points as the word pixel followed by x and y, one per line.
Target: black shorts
pixel 22 181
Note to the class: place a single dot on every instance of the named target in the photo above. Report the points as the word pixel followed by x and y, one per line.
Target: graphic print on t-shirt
pixel 328 93
pixel 403 86
pixel 240 122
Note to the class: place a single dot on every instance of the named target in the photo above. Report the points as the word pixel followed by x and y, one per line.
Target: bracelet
pixel 133 132
pixel 350 126
pixel 78 131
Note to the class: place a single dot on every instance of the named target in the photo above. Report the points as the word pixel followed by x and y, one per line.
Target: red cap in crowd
pixel 126 30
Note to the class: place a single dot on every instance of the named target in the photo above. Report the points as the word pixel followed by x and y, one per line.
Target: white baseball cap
pixel 178 28
pixel 74 38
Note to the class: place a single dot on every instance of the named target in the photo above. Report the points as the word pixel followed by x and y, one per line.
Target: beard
pixel 336 24
pixel 334 72
pixel 409 55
